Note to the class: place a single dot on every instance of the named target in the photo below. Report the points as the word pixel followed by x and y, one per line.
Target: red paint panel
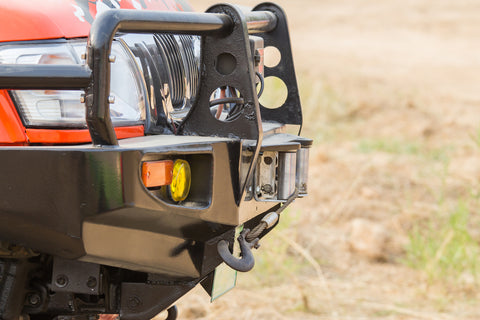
pixel 48 19
pixel 12 130
pixel 52 136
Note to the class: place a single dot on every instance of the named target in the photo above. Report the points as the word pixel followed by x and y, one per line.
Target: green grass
pixel 444 248
pixel 274 261
pixel 404 147
pixel 476 137
pixel 389 146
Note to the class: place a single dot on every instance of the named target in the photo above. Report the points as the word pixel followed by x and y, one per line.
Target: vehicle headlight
pixel 62 108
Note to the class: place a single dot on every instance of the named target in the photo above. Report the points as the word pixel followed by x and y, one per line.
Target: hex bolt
pixel 111 99
pixel 268 160
pixel 267 188
pixel 112 58
pixel 61 281
pixel 134 302
pixel 34 299
pixel 92 282
pixel 84 56
pixel 82 98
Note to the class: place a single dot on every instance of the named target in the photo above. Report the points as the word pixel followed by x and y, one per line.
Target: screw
pixel 267 188
pixel 92 282
pixel 268 160
pixel 61 281
pixel 34 299
pixel 112 58
pixel 111 99
pixel 134 303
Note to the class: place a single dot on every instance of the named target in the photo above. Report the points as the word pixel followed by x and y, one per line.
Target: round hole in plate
pixel 226 103
pixel 225 63
pixel 272 57
pixel 275 93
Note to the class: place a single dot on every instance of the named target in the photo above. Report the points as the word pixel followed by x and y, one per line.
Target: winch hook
pixel 247 261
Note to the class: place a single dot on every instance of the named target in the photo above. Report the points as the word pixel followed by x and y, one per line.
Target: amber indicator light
pixel 157 173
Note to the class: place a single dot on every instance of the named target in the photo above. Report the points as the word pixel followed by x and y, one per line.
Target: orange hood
pixel 49 19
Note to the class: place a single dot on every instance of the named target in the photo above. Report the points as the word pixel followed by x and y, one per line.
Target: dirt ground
pixel 390 94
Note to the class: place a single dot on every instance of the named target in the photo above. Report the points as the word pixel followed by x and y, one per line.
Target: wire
pixel 262 83
pixel 226 100
pixel 259 228
pixel 221 106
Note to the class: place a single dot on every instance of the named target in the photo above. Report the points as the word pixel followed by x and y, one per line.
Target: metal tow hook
pixel 172 313
pixel 247 261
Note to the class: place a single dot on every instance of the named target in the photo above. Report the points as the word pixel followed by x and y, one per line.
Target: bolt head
pixel 34 299
pixel 92 282
pixel 82 98
pixel 61 281
pixel 111 99
pixel 112 58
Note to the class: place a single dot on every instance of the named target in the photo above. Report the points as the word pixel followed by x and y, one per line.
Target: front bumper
pixel 82 202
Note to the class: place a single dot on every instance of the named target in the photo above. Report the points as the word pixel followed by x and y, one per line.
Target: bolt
pixel 34 299
pixel 92 282
pixel 267 188
pixel 268 160
pixel 111 99
pixel 257 57
pixel 82 98
pixel 61 281
pixel 112 58
pixel 84 56
pixel 134 303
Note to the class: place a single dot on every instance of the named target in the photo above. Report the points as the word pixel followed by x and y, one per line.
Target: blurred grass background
pixel 391 228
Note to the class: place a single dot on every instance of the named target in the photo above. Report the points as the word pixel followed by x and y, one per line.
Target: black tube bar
pixel 108 23
pixel 101 36
pixel 59 77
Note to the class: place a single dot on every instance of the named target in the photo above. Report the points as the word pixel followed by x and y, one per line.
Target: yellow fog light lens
pixel 181 178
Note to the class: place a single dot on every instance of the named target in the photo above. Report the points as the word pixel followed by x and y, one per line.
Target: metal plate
pixel 225 278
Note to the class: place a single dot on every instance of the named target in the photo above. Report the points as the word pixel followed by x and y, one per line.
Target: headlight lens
pixel 62 108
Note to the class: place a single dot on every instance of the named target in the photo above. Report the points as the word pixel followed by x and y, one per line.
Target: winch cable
pixel 270 219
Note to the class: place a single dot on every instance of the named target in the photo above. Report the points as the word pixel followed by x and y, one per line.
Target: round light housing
pixel 181 180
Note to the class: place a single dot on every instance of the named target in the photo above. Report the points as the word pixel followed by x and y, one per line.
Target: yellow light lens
pixel 181 178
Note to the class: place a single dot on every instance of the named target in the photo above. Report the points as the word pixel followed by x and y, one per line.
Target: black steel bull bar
pixel 95 77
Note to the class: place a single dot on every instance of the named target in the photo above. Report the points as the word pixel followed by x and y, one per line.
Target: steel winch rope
pixel 252 235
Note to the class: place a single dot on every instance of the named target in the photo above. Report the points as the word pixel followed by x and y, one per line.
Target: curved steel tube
pixel 25 76
pixel 261 21
pixel 99 44
pixel 109 22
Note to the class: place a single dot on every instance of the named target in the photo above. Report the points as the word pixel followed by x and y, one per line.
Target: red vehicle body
pixel 135 157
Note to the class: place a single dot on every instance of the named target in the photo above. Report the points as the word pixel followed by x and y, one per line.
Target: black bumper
pixel 89 203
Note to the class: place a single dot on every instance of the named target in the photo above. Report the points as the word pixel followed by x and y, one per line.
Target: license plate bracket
pixel 225 278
